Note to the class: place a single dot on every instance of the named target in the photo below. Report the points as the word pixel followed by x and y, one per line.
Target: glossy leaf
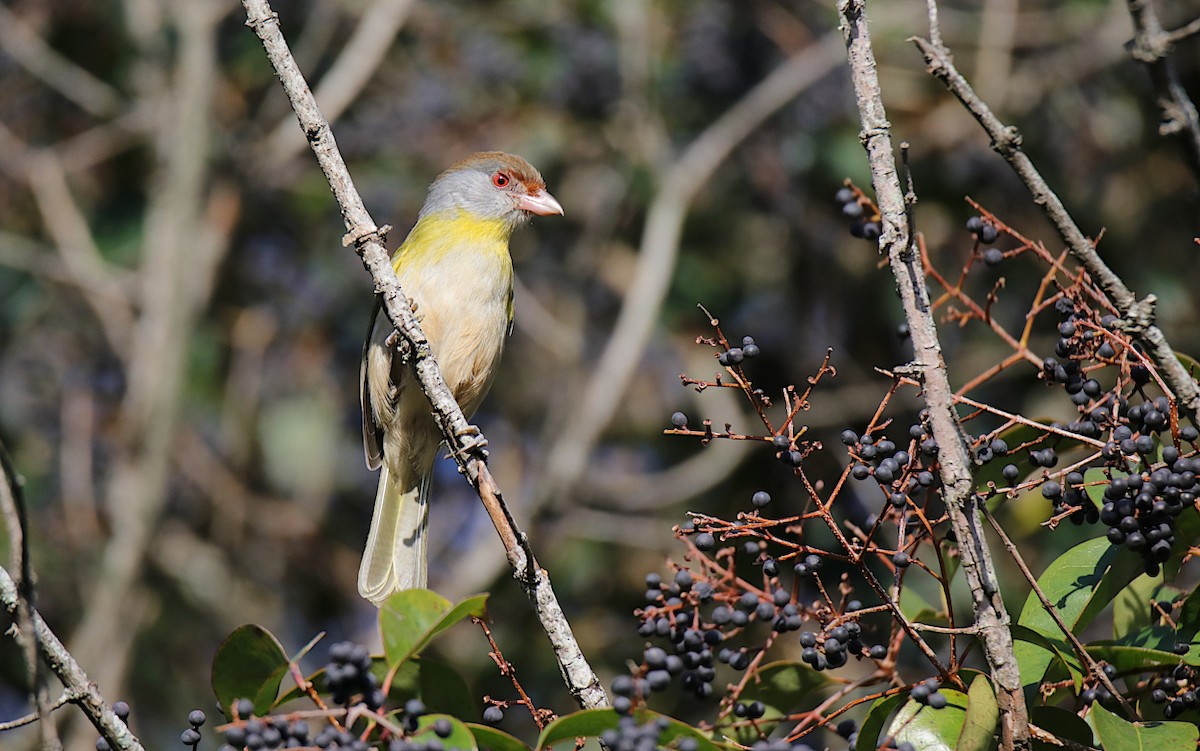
pixel 1080 584
pixel 460 736
pixel 1060 650
pixel 1114 732
pixel 409 619
pixel 876 720
pixel 1187 534
pixel 487 737
pixel 590 723
pixel 983 715
pixel 1126 658
pixel 1061 723
pixel 931 729
pixel 249 664
pixel 1132 609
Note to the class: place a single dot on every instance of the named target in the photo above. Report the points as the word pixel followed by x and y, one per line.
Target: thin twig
pixel 368 241
pixel 1137 315
pixel 1152 46
pixel 1077 646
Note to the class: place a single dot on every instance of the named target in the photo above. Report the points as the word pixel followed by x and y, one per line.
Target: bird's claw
pixel 473 441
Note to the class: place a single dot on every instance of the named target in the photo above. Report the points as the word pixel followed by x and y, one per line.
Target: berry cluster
pixel 983 230
pixel 1098 693
pixel 854 207
pixel 926 692
pixel 736 355
pixel 348 675
pixel 628 735
pixel 191 736
pixel 838 644
pixel 264 732
pixel 1177 689
pixel 672 616
pixel 900 472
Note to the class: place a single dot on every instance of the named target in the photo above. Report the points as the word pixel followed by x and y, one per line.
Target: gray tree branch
pixel 1138 315
pixel 368 241
pixel 898 241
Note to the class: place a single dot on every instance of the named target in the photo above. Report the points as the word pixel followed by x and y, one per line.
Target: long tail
pixel 394 558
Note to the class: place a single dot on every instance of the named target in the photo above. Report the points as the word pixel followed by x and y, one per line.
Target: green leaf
pixel 442 689
pixel 1060 651
pixel 460 736
pixel 876 720
pixel 409 619
pixel 784 687
pixel 1188 619
pixel 1130 659
pixel 1187 534
pixel 1131 608
pixel 1062 724
pixel 249 664
pixel 931 729
pixel 1079 584
pixel 983 715
pixel 495 740
pixel 1114 732
pixel 590 723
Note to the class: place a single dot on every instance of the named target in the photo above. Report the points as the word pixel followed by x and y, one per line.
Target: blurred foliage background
pixel 180 325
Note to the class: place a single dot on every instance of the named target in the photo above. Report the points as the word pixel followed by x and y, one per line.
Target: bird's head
pixel 491 185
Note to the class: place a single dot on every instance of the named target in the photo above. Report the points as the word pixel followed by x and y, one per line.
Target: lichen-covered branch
pixel 898 242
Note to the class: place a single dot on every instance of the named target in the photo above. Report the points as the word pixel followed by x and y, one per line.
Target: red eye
pixel 500 180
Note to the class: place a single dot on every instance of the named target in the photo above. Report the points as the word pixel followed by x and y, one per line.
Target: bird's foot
pixel 473 441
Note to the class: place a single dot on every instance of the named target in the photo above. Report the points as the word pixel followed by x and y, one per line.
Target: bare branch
pixel 367 238
pixel 56 71
pixel 1138 315
pixel 18 601
pixel 898 241
pixel 1152 46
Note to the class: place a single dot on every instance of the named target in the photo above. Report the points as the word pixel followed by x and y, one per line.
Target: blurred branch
pixel 367 239
pixel 997 34
pixel 13 512
pixel 75 83
pixel 60 661
pixel 345 79
pixel 1152 45
pixel 1137 315
pixel 36 636
pixel 898 241
pixel 67 225
pixel 681 183
pixel 179 253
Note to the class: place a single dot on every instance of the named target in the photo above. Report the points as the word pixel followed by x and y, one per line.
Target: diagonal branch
pixel 1138 315
pixel 899 243
pixel 368 241
pixel 1152 46
pixel 17 600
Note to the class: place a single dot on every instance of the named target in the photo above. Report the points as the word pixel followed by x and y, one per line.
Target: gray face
pixel 475 187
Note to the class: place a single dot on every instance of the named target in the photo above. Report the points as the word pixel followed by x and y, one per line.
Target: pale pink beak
pixel 540 203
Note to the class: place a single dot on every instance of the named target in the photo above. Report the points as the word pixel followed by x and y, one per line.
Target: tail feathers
pixel 395 557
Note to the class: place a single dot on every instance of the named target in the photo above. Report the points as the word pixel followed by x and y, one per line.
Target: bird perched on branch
pixel 455 267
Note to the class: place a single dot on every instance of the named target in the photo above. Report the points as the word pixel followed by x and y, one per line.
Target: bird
pixel 455 268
